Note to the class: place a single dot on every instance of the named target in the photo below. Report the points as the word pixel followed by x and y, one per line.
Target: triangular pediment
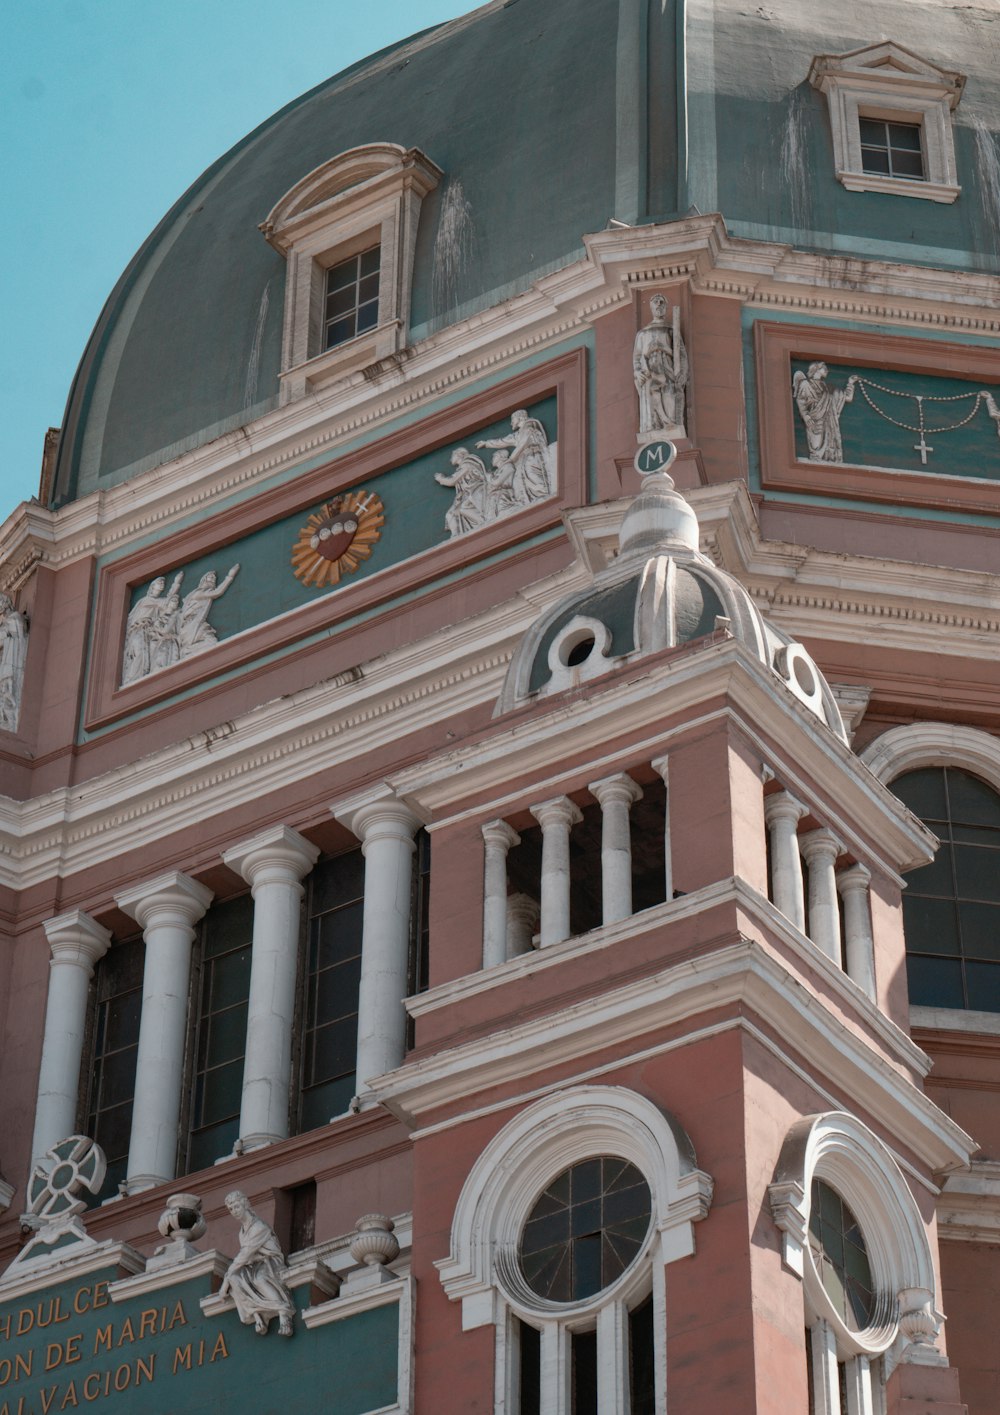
pixel 890 62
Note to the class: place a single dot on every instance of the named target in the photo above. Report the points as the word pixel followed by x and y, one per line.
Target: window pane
pixel 980 925
pixel 368 289
pixel 874 159
pixel 340 331
pixel 907 164
pixel 935 982
pixel 936 878
pixel 924 792
pixel 873 132
pixel 368 316
pixel 972 801
pixel 344 273
pixel 983 985
pixel 905 135
pixel 370 260
pixel 530 1361
pixel 341 301
pixel 931 925
pixel 641 1360
pixel 584 1363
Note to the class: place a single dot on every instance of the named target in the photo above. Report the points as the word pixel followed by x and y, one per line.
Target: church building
pixel 500 744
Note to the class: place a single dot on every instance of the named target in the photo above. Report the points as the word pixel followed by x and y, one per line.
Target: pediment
pixel 886 62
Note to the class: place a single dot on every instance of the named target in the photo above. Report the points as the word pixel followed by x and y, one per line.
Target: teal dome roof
pixel 189 343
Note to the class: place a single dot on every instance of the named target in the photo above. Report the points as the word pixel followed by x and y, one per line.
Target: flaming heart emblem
pixel 337 537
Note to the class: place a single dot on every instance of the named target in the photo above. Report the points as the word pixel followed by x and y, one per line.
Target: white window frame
pixel 840 1150
pixel 365 197
pixel 482 1270
pixel 890 82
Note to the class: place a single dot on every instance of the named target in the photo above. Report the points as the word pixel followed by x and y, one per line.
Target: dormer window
pixel 352 297
pixel 348 231
pixel 891 120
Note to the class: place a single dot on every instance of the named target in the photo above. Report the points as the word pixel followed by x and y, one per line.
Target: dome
pixel 659 593
pixel 189 344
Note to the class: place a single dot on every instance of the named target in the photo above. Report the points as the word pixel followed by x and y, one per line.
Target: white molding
pixel 322 1314
pixel 968 1210
pixel 740 972
pixel 950 1019
pixel 103 1255
pixel 920 744
pixel 208 1264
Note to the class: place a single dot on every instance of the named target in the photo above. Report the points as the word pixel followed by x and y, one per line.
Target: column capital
pixel 172 898
pixel 377 813
pixel 620 788
pixel 820 845
pixel 278 855
pixel 559 810
pixel 78 939
pixel 780 806
pixel 661 766
pixel 498 832
pixel 854 879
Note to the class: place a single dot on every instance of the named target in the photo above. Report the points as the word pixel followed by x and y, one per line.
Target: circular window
pixel 841 1257
pixel 585 1229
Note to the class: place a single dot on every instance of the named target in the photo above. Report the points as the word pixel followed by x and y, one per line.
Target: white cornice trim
pixel 740 973
pixel 553 309
pixel 968 1210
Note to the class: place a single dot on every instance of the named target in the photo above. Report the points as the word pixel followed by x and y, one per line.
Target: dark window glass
pixel 333 973
pixel 420 933
pixel 585 1229
pixel 841 1257
pixel 642 1382
pixel 583 1353
pixel 530 1367
pixel 891 149
pixel 220 1040
pixel 351 297
pixel 118 986
pixel 951 908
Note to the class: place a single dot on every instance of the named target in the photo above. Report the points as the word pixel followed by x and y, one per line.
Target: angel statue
pixel 820 408
pixel 255 1277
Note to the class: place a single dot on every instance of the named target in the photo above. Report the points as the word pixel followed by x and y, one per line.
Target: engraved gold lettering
pixel 177 1317
pixel 5 1326
pixel 81 1301
pixel 70 1398
pixel 219 1350
pixel 123 1377
pixel 101 1298
pixel 145 1367
pixel 23 1325
pixel 127 1332
pixel 182 1360
pixel 53 1355
pixel 5 1371
pixel 102 1337
pixel 48 1396
pixel 72 1348
pixel 147 1323
pixel 94 1376
pixel 60 1315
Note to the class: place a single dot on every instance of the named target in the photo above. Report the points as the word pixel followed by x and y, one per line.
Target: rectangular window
pixel 892 149
pixel 352 288
pixel 333 976
pixel 118 987
pixel 221 1030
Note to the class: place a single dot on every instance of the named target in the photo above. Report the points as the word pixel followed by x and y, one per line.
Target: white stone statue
pixel 992 409
pixel 820 408
pixel 255 1277
pixel 468 511
pixel 143 627
pixel 13 650
pixel 660 370
pixel 529 459
pixel 194 632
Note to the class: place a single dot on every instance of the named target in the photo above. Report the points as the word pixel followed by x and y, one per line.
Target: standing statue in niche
pixel 13 649
pixel 660 370
pixel 820 408
pixel 255 1277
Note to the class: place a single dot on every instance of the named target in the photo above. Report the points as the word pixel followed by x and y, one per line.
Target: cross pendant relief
pixel 923 447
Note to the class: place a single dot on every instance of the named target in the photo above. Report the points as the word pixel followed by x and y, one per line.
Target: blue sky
pixel 111 108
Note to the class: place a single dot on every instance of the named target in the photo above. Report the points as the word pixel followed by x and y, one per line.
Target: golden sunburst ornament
pixel 337 537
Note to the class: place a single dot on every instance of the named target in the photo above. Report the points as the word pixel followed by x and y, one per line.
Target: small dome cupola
pixel 659 593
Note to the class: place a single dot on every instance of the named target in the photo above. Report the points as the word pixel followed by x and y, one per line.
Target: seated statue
pixel 254 1279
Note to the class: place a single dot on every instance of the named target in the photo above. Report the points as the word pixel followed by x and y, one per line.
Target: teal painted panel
pixel 158 1354
pixel 414 508
pixel 948 432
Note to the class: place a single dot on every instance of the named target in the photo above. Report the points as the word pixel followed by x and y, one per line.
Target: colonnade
pixel 168 908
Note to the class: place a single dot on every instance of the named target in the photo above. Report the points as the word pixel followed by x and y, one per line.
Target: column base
pixel 139 1183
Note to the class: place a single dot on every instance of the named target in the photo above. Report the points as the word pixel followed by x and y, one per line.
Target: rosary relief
pixel 821 406
pixel 660 371
pixel 163 628
pixel 13 650
pixel 522 471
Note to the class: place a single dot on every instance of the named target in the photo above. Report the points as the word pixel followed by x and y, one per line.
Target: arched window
pixel 951 908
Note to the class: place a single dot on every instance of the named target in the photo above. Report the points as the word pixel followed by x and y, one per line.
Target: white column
pixel 826 1382
pixel 660 767
pixel 820 849
pixel 782 814
pixel 555 817
pixel 385 827
pixel 614 1396
pixel 273 864
pixel 76 942
pixel 523 915
pixel 167 910
pixel 616 795
pixel 499 837
pixel 858 1380
pixel 859 946
pixel 556 1377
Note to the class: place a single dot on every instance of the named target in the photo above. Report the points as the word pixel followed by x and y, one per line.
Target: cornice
pixel 968 1210
pixel 742 974
pixel 555 307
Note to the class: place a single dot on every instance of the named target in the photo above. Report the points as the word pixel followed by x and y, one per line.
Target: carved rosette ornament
pixel 337 538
